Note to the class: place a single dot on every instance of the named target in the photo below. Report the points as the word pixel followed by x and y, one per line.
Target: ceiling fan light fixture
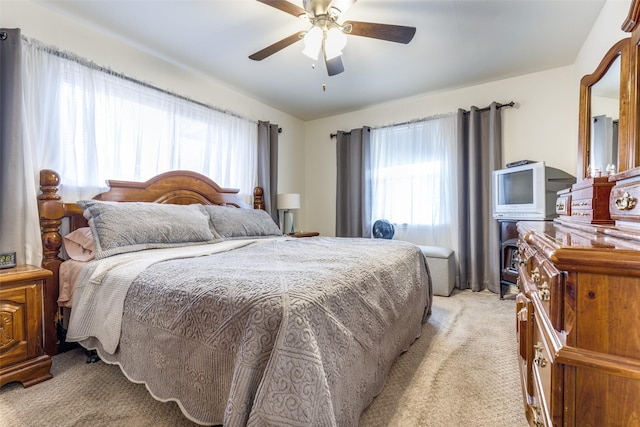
pixel 334 42
pixel 313 43
pixel 331 54
pixel 326 34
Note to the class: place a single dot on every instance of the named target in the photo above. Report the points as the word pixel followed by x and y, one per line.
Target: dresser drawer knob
pixel 535 275
pixel 544 291
pixel 539 359
pixel 537 416
pixel 626 202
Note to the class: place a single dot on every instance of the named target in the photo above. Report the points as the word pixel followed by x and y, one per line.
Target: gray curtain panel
pixel 268 166
pixel 12 193
pixel 353 192
pixel 480 153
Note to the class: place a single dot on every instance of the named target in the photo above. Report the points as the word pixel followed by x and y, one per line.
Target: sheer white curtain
pixel 90 125
pixel 414 181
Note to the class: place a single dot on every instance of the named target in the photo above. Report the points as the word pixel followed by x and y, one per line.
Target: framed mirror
pixel 605 118
pixel 603 132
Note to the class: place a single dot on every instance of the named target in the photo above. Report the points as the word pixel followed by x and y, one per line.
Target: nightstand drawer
pixel 22 357
pixel 15 343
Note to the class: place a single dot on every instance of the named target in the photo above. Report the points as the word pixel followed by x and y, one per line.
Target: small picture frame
pixel 7 260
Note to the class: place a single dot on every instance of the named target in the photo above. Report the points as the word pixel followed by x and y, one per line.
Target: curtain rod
pixel 92 65
pixel 498 105
pixel 333 135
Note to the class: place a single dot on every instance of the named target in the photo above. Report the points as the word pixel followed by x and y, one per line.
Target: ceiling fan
pixel 328 36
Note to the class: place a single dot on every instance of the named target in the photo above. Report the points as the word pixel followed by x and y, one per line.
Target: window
pixel 404 185
pixel 413 179
pixel 95 125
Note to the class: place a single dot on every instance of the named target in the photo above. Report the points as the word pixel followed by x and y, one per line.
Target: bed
pixel 201 298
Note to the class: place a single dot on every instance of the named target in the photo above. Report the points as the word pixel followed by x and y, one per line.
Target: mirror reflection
pixel 605 112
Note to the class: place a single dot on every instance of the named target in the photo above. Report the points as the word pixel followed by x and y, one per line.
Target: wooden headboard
pixel 175 187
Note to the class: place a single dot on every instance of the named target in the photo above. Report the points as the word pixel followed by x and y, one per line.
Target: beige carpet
pixel 462 371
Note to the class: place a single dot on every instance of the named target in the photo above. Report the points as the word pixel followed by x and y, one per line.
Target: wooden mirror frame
pixel 631 25
pixel 619 50
pixel 629 129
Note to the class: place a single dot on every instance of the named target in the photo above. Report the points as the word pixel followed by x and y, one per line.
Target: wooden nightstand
pixel 305 234
pixel 22 357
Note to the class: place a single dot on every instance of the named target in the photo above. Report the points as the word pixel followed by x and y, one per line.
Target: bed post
pixel 258 201
pixel 51 211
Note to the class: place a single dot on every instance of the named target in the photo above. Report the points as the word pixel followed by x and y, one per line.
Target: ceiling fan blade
pixel 285 6
pixel 277 46
pixel 334 65
pixel 392 33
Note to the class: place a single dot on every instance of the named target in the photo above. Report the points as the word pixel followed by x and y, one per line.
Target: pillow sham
pixel 121 227
pixel 79 244
pixel 235 223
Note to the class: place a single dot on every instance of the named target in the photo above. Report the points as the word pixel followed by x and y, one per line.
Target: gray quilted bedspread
pixel 298 332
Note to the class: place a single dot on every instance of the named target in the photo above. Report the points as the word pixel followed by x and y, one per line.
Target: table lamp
pixel 287 202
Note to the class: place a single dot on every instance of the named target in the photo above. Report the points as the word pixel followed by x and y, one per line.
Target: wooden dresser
pixel 578 310
pixel 578 324
pixel 22 357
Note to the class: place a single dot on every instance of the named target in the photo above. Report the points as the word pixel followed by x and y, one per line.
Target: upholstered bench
pixel 442 266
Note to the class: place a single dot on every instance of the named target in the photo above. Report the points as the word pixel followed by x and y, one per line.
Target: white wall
pixel 604 34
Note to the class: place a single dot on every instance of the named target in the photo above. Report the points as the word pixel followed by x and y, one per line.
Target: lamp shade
pixel 288 201
pixel 313 42
pixel 335 41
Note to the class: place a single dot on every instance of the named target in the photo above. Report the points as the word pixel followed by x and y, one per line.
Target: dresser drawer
pixel 590 201
pixel 542 368
pixel 582 204
pixel 623 202
pixel 524 337
pixel 582 193
pixel 542 358
pixel 538 275
pixel 593 210
pixel 581 211
pixel 563 204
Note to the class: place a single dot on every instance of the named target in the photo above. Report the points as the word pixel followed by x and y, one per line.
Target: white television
pixel 528 191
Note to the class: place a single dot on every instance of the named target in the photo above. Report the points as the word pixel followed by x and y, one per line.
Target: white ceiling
pixel 457 43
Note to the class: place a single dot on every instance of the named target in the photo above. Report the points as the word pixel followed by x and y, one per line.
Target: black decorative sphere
pixel 383 229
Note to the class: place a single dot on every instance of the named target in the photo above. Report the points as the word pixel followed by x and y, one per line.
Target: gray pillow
pixel 234 223
pixel 120 227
